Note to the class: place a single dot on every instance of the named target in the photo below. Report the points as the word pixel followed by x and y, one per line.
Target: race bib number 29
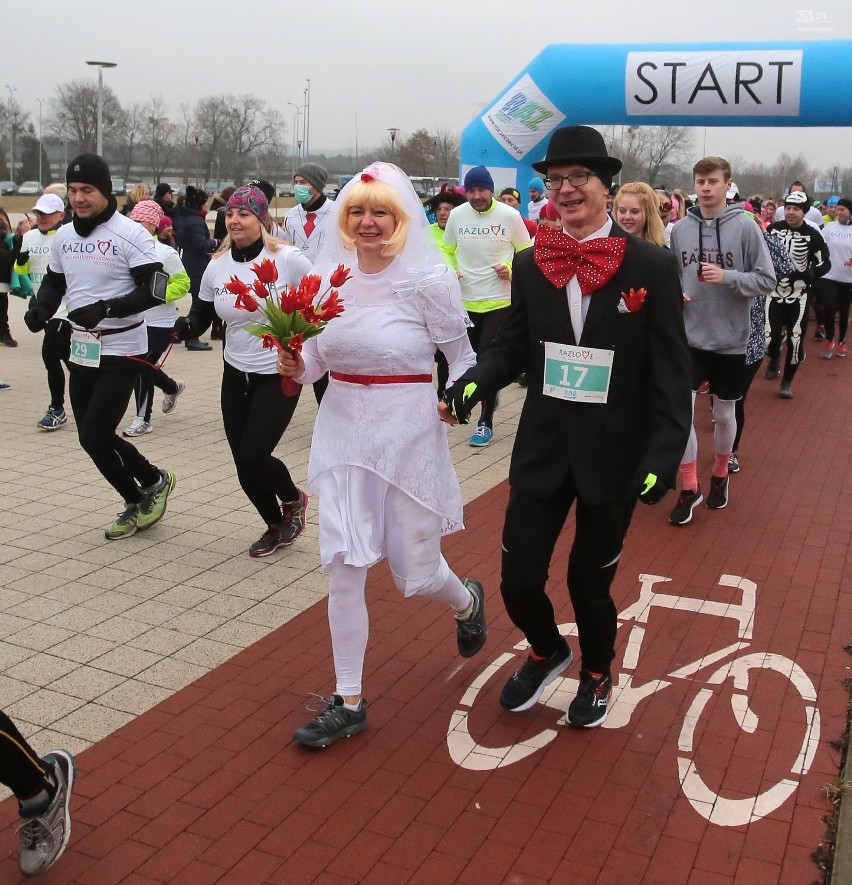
pixel 85 349
pixel 580 374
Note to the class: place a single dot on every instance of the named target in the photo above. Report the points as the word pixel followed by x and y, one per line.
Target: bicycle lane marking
pixel 468 754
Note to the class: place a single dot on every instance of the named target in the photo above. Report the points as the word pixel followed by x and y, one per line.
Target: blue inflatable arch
pixel 691 84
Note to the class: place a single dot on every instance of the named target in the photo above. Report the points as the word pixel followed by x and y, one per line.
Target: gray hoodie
pixel 717 315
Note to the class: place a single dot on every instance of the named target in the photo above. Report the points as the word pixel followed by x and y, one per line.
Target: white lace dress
pixel 369 439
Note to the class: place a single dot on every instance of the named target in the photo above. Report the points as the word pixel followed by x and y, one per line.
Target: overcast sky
pixel 384 63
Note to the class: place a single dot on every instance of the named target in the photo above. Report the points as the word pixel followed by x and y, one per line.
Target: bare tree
pixel 131 128
pixel 416 153
pixel 250 127
pixel 75 114
pixel 666 146
pixel 15 124
pixel 189 141
pixel 164 136
pixel 446 153
pixel 212 115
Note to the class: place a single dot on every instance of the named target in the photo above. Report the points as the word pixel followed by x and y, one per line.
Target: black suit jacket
pixel 644 425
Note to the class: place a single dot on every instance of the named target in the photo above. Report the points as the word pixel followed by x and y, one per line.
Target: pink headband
pixel 147 212
pixel 251 198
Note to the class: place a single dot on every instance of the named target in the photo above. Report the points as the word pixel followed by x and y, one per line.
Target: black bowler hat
pixel 578 144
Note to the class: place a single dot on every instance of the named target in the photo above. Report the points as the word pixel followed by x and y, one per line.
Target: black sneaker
pixel 293 519
pixel 820 333
pixel 718 497
pixel 686 503
pixel 786 391
pixel 590 707
pixel 268 542
pixel 772 370
pixel 527 684
pixel 472 632
pixel 335 722
pixel 44 836
pixel 734 464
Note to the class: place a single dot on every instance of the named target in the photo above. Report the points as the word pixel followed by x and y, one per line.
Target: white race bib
pixel 576 373
pixel 85 349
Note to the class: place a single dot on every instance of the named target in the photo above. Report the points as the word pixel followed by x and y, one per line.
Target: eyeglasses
pixel 575 179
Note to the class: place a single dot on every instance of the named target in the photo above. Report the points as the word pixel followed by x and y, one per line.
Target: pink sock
pixel 720 465
pixel 689 475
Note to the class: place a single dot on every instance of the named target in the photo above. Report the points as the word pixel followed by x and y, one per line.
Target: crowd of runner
pixel 694 290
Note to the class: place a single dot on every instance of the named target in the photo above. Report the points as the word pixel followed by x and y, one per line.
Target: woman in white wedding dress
pixel 380 460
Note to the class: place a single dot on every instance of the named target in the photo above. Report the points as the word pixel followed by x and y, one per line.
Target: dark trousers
pixel 256 413
pixel 4 313
pixel 149 377
pixel 835 298
pixel 739 408
pixel 99 398
pixel 530 533
pixel 790 320
pixel 21 769
pixel 55 347
pixel 485 328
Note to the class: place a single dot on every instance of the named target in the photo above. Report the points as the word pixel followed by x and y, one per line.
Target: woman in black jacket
pixel 196 245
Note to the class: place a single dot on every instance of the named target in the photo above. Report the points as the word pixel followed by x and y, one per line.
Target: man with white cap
pixel 49 214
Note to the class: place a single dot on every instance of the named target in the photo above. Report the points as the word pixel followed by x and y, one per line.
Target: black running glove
pixel 461 397
pixel 89 316
pixel 653 490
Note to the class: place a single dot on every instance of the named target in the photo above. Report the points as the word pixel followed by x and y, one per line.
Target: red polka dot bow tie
pixel 561 257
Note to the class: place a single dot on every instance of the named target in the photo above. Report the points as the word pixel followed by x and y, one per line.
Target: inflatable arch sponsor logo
pixel 784 84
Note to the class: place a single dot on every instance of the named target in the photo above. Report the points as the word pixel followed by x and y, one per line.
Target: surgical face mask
pixel 302 193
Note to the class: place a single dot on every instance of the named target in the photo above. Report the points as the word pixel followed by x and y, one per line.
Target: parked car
pixel 285 189
pixel 31 188
pixel 7 188
pixel 119 188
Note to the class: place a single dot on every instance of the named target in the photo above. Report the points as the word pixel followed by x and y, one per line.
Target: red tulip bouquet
pixel 298 313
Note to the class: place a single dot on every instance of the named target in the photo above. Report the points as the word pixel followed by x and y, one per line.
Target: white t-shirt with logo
pixel 243 350
pixel 838 238
pixel 38 245
pixel 97 267
pixel 481 240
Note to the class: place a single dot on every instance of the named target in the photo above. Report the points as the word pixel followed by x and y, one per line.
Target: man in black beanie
pixel 105 267
pixel 164 198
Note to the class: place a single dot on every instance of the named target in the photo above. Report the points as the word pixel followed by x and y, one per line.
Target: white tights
pixel 413 548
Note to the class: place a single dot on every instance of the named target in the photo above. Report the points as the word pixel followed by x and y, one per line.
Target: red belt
pixel 381 379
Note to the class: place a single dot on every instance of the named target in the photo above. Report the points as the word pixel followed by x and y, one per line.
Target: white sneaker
pixel 170 399
pixel 137 427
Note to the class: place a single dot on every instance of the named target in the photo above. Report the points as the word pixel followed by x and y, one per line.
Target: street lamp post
pixel 11 131
pixel 40 148
pixel 393 134
pixel 100 65
pixel 307 119
pixel 295 133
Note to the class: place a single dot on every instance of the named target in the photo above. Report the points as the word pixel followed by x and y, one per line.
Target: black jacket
pixel 193 239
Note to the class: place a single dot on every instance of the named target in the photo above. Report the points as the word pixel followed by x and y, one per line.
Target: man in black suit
pixel 596 322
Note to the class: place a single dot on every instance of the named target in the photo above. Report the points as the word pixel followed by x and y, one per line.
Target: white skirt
pixel 354 507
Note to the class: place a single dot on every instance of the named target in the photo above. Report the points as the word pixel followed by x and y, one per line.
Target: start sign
pixel 729 84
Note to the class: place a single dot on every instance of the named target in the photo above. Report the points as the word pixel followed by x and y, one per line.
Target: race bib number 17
pixel 579 374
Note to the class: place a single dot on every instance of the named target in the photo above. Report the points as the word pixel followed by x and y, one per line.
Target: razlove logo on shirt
pixel 105 247
pixel 496 230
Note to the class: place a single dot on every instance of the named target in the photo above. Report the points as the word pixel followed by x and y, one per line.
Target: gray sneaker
pixel 335 722
pixel 170 399
pixel 472 632
pixel 45 835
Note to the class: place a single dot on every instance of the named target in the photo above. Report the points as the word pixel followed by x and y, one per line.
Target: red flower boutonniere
pixel 632 301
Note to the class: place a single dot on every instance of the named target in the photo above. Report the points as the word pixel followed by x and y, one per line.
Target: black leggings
pixel 99 398
pixel 256 413
pixel 835 298
pixel 739 408
pixel 788 321
pixel 21 769
pixel 55 347
pixel 482 333
pixel 530 533
pixel 158 341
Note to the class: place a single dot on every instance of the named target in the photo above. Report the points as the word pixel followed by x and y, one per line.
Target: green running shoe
pixel 153 504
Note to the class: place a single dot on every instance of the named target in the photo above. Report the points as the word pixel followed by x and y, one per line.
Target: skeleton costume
pixel 787 305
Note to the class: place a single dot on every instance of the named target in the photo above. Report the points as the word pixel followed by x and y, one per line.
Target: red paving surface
pixel 209 787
